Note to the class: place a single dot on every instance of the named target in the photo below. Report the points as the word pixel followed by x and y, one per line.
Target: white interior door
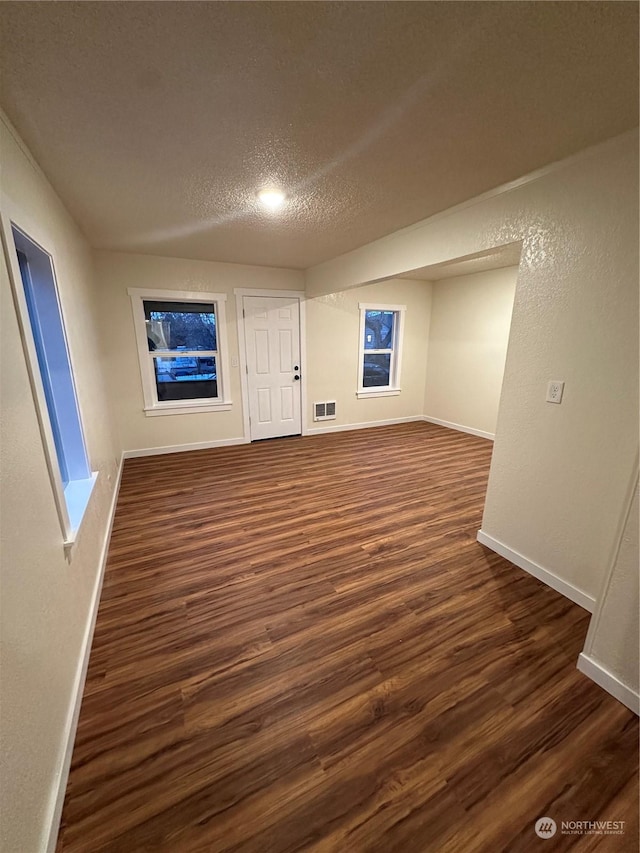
pixel 272 337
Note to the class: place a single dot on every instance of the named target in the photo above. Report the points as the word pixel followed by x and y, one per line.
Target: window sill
pixel 378 392
pixel 156 411
pixel 76 497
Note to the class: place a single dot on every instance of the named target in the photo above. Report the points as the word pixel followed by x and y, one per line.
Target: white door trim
pixel 300 295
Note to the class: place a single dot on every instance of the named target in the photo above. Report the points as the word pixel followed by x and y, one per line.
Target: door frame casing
pixel 300 295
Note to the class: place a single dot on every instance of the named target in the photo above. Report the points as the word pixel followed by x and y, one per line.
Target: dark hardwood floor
pixel 301 646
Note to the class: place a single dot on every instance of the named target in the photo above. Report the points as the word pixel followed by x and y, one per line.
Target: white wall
pixel 333 352
pixel 46 601
pixel 558 478
pixel 332 346
pixel 116 273
pixel 469 333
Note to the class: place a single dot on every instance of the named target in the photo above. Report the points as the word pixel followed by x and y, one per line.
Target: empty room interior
pixel 319 426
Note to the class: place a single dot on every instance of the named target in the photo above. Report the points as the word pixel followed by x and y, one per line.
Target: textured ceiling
pixel 158 122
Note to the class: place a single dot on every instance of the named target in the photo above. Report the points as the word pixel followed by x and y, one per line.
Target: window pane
pixel 378 329
pixel 185 378
pixel 377 370
pixel 180 325
pixel 36 270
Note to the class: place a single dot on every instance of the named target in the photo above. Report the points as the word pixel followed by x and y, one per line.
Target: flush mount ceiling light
pixel 271 199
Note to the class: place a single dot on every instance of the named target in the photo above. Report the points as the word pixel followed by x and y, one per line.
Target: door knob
pixel 296 376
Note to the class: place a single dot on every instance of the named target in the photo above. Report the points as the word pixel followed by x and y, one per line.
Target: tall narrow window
pixel 381 328
pixel 55 391
pixel 179 338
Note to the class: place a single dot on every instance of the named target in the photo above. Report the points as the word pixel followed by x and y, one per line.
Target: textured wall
pixel 116 273
pixel 45 599
pixel 332 345
pixel 333 351
pixel 468 337
pixel 559 473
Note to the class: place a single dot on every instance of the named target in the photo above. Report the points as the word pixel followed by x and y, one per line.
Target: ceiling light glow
pixel 272 199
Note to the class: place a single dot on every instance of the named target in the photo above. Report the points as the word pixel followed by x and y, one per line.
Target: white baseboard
pixel 62 776
pixel 228 442
pixel 182 448
pixel 471 430
pixel 609 682
pixel 563 587
pixel 366 425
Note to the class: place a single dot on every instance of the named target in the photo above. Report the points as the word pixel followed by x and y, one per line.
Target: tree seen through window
pixel 378 330
pixel 180 326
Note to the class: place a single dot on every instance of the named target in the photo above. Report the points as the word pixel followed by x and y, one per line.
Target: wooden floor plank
pixel 301 646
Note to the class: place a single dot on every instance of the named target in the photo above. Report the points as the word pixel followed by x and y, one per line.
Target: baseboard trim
pixel 229 442
pixel 449 425
pixel 365 425
pixel 183 448
pixel 565 588
pixel 60 784
pixel 609 682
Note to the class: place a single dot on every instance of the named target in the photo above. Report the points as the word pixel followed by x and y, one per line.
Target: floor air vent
pixel 324 411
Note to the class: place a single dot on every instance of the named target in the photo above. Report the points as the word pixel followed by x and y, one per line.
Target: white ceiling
pixel 158 122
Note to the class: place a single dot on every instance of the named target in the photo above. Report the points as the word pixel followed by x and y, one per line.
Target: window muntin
pixel 380 345
pixel 180 350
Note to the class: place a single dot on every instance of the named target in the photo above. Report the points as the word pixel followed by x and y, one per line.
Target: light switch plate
pixel 555 390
